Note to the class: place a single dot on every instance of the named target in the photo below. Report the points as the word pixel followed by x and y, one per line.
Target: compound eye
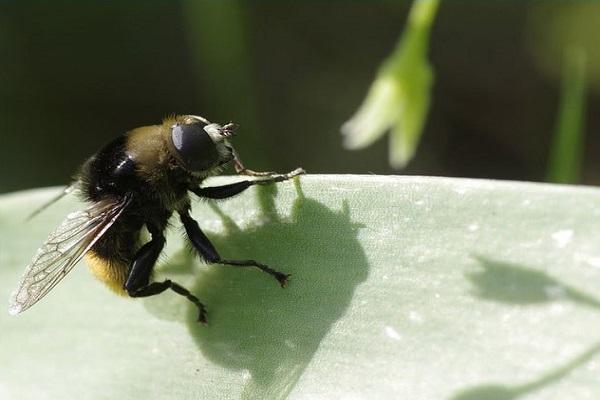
pixel 195 147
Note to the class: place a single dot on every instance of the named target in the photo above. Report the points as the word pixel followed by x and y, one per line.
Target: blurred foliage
pixel 217 35
pixel 566 152
pixel 76 74
pixel 557 25
pixel 400 96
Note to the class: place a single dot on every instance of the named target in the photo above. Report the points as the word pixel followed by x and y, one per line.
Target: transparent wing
pixel 63 250
pixel 63 193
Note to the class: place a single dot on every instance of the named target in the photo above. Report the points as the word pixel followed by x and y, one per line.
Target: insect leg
pixel 155 288
pixel 232 189
pixel 138 282
pixel 210 254
pixel 222 192
pixel 240 169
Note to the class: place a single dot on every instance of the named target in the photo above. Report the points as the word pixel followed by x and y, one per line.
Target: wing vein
pixel 63 249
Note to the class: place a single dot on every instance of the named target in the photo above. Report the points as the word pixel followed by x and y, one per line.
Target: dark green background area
pixel 73 75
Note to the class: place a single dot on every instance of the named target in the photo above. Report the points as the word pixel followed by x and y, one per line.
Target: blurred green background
pixel 76 74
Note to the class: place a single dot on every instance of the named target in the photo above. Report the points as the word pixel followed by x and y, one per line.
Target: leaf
pixel 402 288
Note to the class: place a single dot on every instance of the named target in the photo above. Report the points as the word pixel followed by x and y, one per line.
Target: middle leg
pixel 206 249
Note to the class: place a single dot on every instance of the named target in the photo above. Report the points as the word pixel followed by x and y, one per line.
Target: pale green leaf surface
pixel 403 288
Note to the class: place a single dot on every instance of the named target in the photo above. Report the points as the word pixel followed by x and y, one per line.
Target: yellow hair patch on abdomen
pixel 112 273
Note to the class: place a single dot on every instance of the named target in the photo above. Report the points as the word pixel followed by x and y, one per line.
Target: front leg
pixel 240 169
pixel 210 254
pixel 232 189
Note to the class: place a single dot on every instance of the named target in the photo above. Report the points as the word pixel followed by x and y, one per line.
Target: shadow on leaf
pixel 515 284
pixel 506 392
pixel 254 325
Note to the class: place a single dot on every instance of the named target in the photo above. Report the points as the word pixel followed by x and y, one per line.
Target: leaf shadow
pixel 254 325
pixel 516 284
pixel 511 392
pixel 521 285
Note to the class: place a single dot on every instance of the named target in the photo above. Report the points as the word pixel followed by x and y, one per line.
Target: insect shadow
pixel 253 324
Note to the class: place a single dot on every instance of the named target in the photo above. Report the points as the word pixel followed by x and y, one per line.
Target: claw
pixel 283 279
pixel 202 317
pixel 296 172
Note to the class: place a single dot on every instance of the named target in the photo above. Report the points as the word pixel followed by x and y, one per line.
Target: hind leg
pixel 138 280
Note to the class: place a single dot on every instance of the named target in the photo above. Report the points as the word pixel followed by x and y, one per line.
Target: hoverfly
pixel 139 180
